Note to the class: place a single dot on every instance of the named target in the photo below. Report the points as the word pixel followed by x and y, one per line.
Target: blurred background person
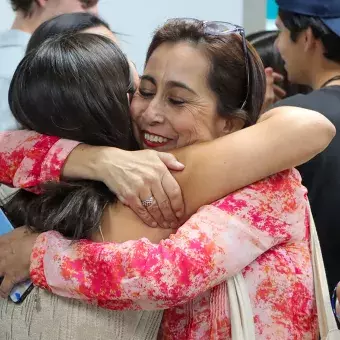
pixel 309 44
pixel 278 85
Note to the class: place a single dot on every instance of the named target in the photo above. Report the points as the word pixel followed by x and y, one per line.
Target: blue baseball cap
pixel 327 10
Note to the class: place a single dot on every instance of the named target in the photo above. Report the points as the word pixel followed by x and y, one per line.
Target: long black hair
pixel 64 23
pixel 72 86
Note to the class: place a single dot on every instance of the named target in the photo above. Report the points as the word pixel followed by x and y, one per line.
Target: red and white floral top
pixel 261 231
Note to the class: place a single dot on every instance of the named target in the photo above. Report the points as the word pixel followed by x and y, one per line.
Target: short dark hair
pixel 297 23
pixel 89 3
pixel 25 6
pixel 264 44
pixel 227 77
pixel 75 87
pixel 64 23
pixel 22 5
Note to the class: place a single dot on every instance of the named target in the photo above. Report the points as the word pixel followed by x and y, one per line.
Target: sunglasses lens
pixel 183 20
pixel 216 27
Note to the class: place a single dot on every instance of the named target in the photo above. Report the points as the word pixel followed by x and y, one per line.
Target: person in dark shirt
pixel 264 44
pixel 309 43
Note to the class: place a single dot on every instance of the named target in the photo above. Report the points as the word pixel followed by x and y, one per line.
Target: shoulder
pixel 325 101
pixel 282 192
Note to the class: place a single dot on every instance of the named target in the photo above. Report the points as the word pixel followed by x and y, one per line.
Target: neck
pixel 320 75
pixel 26 24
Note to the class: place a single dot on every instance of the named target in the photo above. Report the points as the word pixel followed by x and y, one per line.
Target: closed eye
pixel 145 93
pixel 176 101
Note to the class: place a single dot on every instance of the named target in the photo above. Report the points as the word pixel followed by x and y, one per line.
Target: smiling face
pixel 174 106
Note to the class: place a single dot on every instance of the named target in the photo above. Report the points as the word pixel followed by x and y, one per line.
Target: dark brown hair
pixel 25 6
pixel 227 77
pixel 52 94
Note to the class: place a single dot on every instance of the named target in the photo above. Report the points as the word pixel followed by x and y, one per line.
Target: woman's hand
pixel 274 92
pixel 15 252
pixel 134 176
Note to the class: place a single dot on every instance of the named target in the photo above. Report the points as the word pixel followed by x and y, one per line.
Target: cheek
pixel 183 124
pixel 280 45
pixel 137 107
pixel 193 127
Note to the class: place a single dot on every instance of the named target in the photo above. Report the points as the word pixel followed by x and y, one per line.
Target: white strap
pixel 241 315
pixel 327 325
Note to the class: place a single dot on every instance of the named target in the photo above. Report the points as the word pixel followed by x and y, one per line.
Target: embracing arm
pixel 28 159
pixel 282 139
pixel 285 137
pixel 141 275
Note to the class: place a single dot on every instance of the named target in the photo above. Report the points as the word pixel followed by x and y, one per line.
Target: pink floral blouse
pixel 261 231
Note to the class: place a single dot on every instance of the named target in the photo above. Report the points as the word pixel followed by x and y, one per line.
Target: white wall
pixel 137 19
pixel 254 15
pixel 6 15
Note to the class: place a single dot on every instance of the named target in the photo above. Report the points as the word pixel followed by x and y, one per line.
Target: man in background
pixel 29 14
pixel 309 43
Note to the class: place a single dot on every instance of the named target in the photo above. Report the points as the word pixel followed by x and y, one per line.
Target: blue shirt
pixel 13 45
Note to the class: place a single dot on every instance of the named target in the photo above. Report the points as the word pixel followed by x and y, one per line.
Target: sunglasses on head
pixel 218 28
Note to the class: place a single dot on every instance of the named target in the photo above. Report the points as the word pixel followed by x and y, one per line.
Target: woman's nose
pixel 153 115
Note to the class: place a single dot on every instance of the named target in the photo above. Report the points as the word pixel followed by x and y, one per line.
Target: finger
pixel 122 200
pixel 6 287
pixel 268 70
pixel 278 76
pixel 170 161
pixel 279 92
pixel 269 82
pixel 163 202
pixel 136 205
pixel 174 193
pixel 153 208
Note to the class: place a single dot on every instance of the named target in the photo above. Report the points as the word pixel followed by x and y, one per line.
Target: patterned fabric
pixel 261 230
pixel 28 159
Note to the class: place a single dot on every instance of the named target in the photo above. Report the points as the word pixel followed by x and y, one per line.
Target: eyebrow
pixel 171 83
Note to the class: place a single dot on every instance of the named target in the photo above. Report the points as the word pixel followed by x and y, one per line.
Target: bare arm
pixel 284 138
pixel 216 169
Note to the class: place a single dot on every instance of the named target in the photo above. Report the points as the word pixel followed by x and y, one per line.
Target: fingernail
pixel 154 224
pixel 179 164
pixel 165 225
pixel 173 225
pixel 179 214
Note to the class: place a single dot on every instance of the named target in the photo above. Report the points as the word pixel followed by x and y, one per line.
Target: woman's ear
pixel 231 125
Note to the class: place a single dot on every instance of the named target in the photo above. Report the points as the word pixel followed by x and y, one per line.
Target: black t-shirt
pixel 321 176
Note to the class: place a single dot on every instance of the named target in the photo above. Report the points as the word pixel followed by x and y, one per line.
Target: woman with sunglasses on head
pixel 185 97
